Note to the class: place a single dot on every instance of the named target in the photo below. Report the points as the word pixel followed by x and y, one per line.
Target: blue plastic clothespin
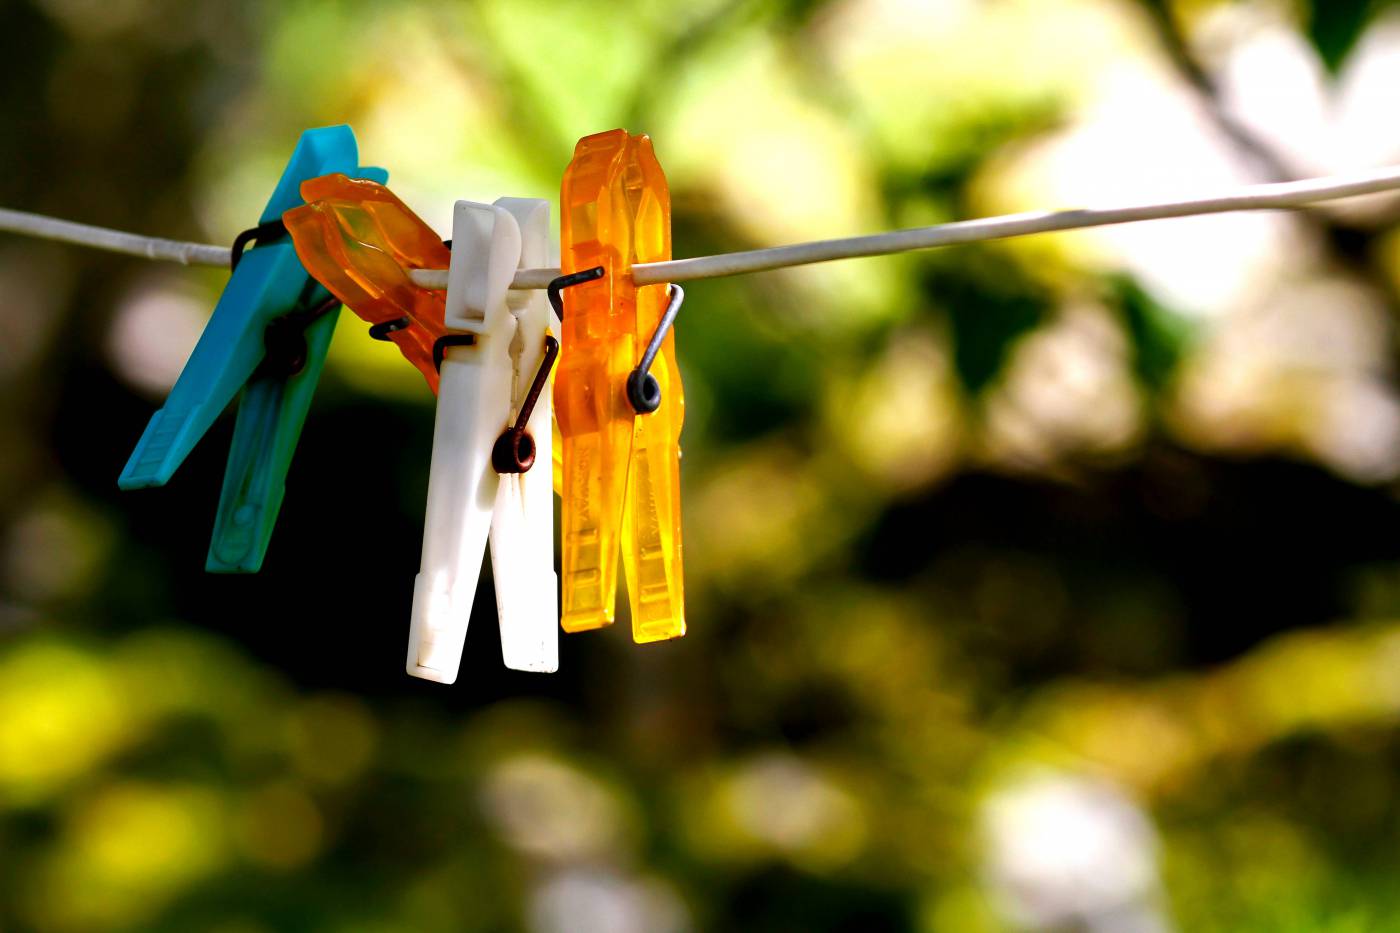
pixel 268 337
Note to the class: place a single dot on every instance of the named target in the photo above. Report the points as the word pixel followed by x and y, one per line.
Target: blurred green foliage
pixel 1334 27
pixel 1023 594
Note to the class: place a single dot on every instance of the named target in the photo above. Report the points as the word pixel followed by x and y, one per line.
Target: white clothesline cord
pixel 1277 196
pixel 1281 196
pixel 1254 198
pixel 51 228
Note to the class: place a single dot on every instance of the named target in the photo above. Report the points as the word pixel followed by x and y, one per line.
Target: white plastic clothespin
pixel 487 374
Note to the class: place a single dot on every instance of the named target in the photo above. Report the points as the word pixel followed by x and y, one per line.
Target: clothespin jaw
pixel 360 241
pixel 522 524
pixel 487 375
pixel 651 548
pixel 621 472
pixel 277 367
pixel 595 421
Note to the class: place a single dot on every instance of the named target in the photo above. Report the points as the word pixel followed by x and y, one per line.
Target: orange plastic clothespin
pixel 360 241
pixel 621 444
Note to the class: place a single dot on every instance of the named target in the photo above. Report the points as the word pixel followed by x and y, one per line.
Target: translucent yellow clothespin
pixel 618 395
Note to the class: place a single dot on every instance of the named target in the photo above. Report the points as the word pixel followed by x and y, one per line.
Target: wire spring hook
pixel 556 300
pixel 643 391
pixel 514 450
pixel 383 329
pixel 262 234
pixel 284 338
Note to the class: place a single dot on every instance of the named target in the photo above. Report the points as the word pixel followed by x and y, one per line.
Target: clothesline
pixel 1279 196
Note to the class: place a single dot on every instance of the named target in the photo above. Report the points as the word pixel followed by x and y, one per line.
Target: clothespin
pixel 360 241
pixel 267 337
pixel 492 449
pixel 492 349
pixel 619 416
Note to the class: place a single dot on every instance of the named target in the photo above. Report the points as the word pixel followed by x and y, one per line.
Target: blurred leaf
pixel 949 164
pixel 1335 26
pixel 1159 335
pixel 989 302
pixel 799 13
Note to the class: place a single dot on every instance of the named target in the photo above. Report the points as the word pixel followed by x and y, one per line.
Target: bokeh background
pixel 1051 584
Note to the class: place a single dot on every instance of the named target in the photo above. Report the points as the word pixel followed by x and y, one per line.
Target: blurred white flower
pixel 589 901
pixel 1272 80
pixel 789 806
pixel 1066 389
pixel 155 327
pixel 550 810
pixel 1065 851
pixel 1303 367
pixel 1141 137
